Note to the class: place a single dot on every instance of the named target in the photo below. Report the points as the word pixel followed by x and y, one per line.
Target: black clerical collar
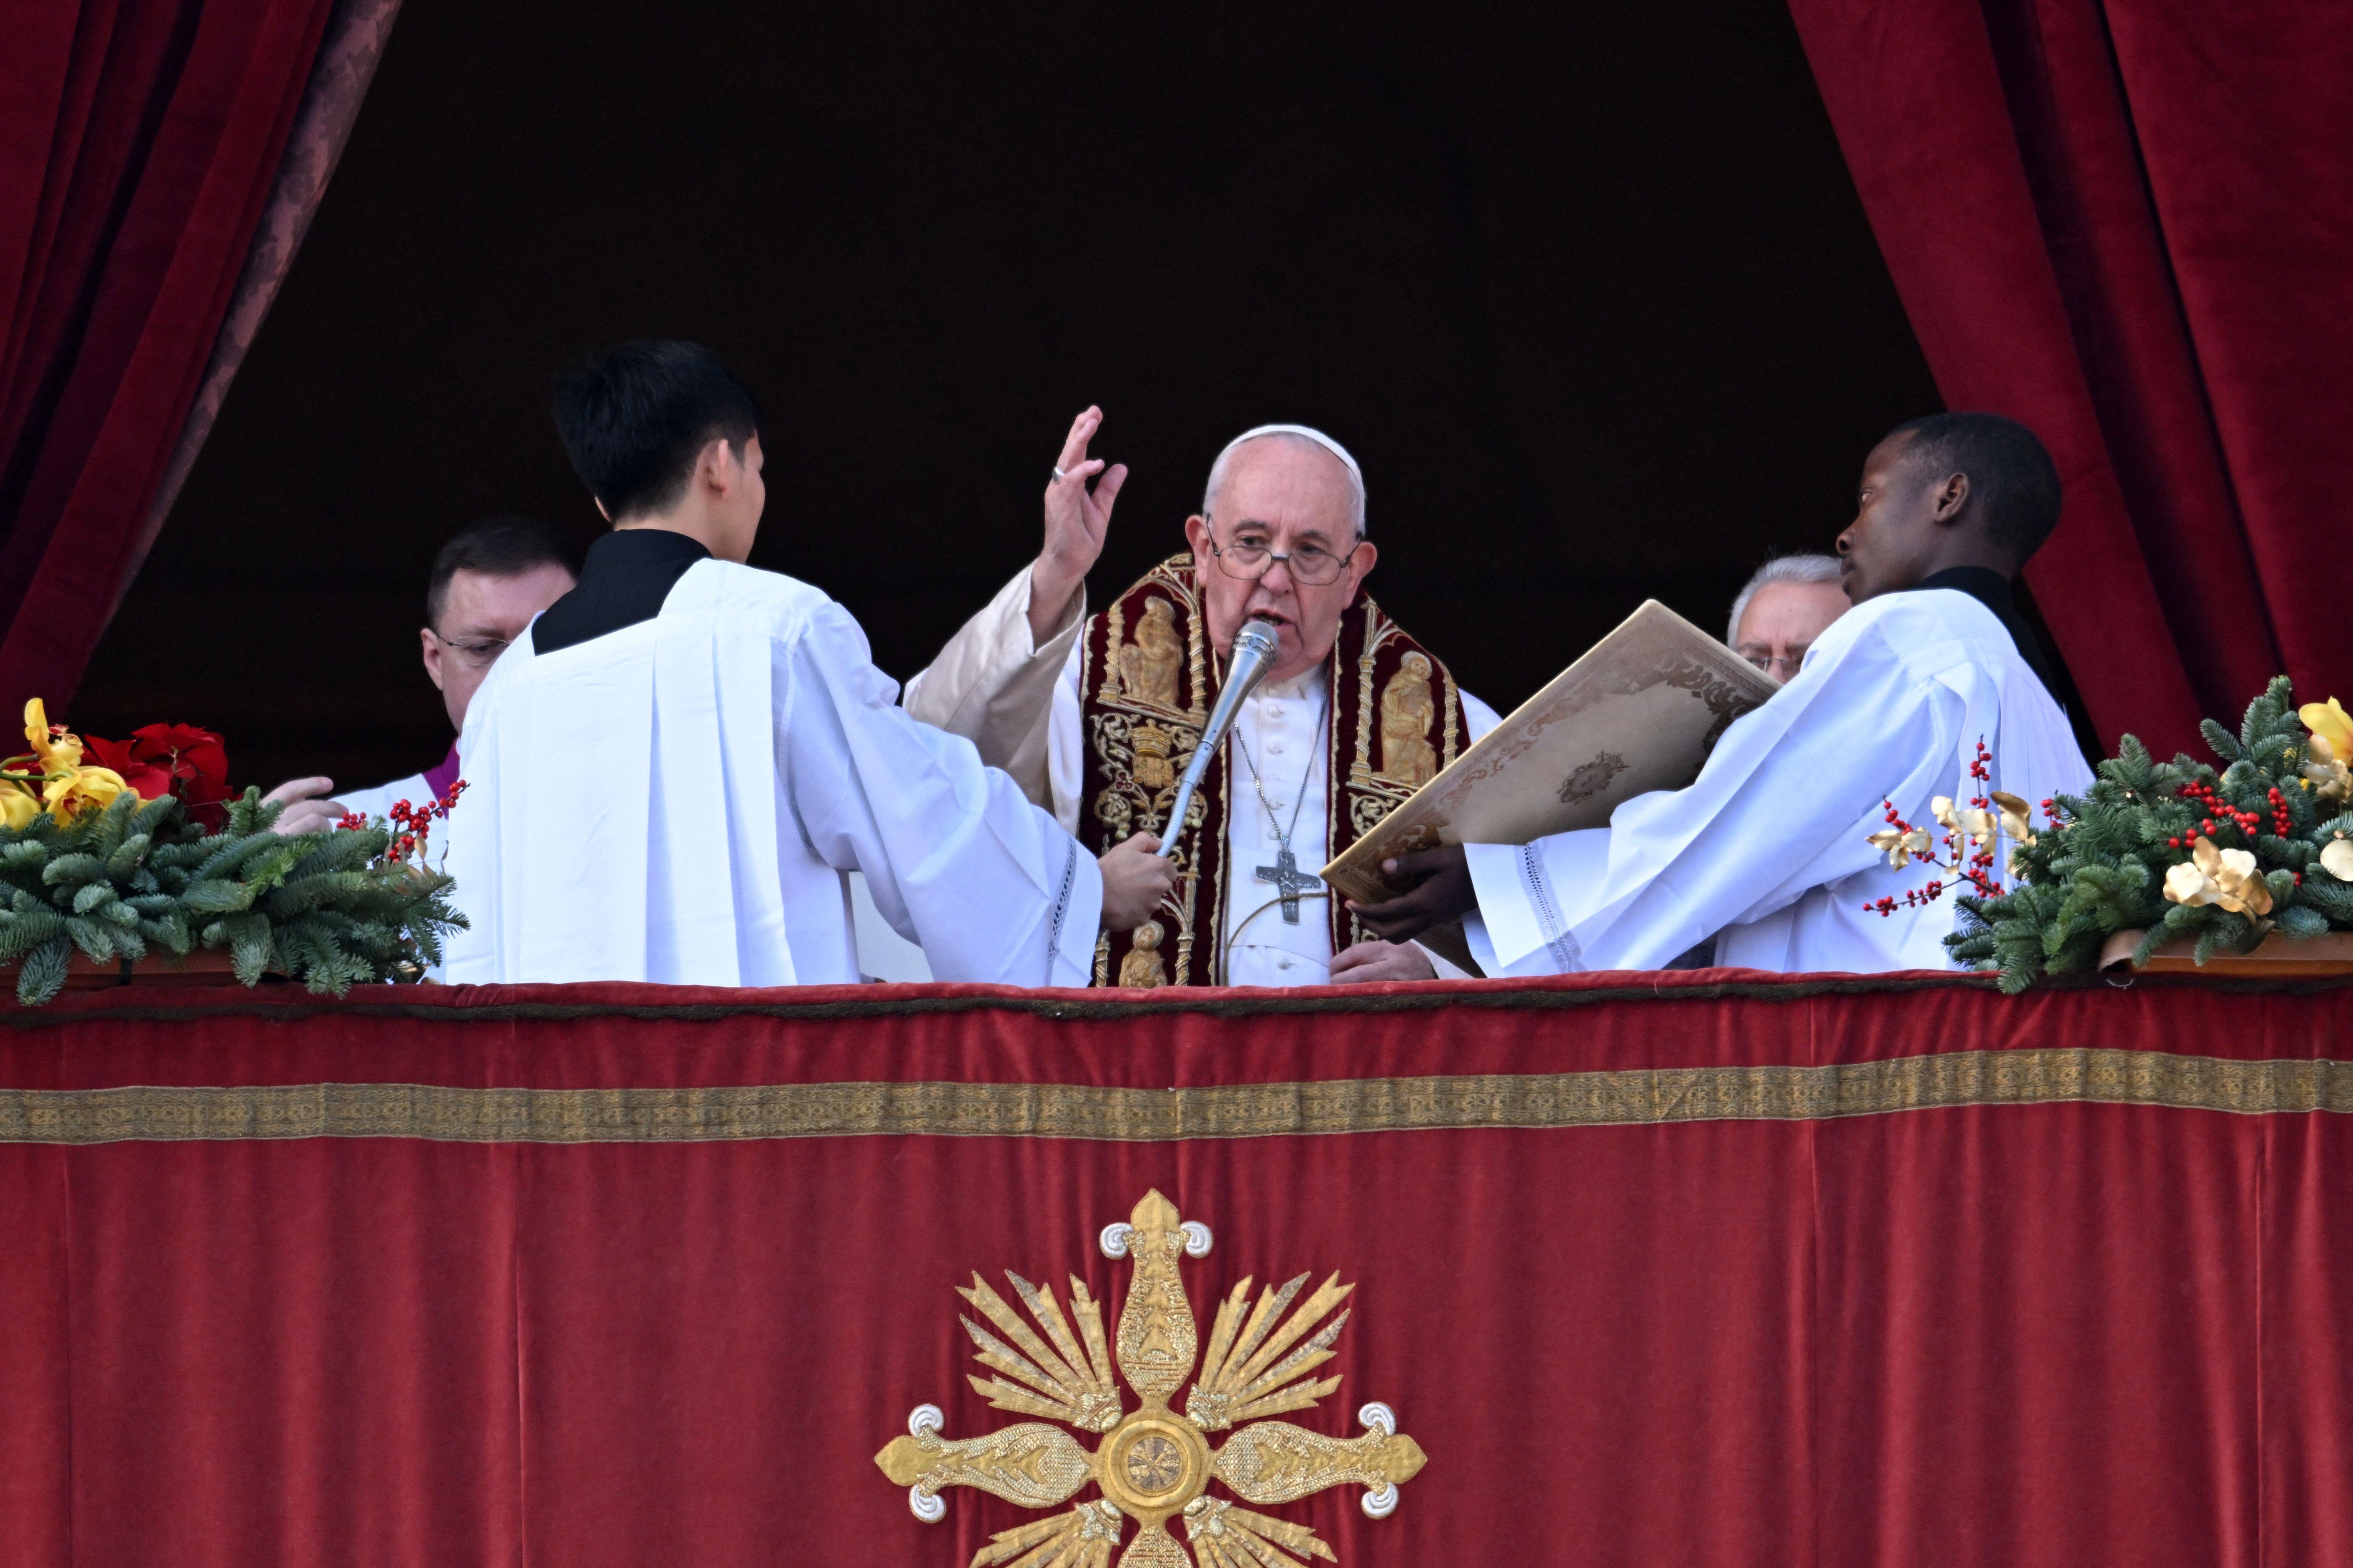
pixel 627 576
pixel 1991 589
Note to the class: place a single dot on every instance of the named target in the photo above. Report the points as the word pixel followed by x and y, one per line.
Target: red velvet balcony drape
pixel 147 198
pixel 2129 223
pixel 1710 1269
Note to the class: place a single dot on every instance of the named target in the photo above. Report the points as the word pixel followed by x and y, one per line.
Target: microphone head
pixel 1260 638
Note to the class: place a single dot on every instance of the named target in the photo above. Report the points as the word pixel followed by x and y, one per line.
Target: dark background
pixel 1586 288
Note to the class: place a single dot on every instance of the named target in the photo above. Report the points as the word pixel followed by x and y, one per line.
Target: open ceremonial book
pixel 1638 711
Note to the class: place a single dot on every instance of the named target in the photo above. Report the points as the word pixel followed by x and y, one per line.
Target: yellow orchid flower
pixel 82 790
pixel 2015 818
pixel 2337 858
pixel 1899 846
pixel 55 754
pixel 2226 878
pixel 19 807
pixel 2329 721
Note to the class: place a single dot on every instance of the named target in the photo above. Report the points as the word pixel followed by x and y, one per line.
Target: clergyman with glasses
pixel 1791 601
pixel 1096 715
pixel 488 583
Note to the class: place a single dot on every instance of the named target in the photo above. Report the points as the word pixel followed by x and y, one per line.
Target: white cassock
pixel 1019 700
pixel 1767 850
pixel 681 799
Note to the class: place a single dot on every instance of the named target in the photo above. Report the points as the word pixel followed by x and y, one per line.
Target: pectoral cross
pixel 1286 874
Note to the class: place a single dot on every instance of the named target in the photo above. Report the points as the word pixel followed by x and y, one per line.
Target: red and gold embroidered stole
pixel 1147 679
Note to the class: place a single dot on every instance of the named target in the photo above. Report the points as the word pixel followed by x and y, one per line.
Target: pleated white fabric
pixel 681 800
pixel 1767 850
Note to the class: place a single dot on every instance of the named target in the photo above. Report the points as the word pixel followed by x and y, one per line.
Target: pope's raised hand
pixel 1076 520
pixel 1135 880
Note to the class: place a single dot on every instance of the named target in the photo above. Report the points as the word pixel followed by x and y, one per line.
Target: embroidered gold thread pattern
pixel 1593 1099
pixel 1155 1463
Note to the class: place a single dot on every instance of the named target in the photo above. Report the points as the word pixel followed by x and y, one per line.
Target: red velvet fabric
pixel 2129 223
pixel 138 141
pixel 2006 1335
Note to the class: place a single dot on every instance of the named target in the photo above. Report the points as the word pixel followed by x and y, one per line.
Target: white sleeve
pixel 1477 717
pixel 958 860
pixel 992 685
pixel 1065 744
pixel 1785 803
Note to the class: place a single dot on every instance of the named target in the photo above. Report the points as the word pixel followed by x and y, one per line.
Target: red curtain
pixel 140 144
pixel 2129 223
pixel 1707 1270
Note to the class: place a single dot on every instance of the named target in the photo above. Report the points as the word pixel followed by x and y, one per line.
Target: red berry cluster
pixel 1981 770
pixel 1917 897
pixel 415 823
pixel 2222 816
pixel 350 820
pixel 1974 869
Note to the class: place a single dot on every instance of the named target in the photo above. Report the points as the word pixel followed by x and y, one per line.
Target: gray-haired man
pixel 1791 601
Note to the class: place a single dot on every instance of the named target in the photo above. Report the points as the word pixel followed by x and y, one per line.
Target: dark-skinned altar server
pixel 672 772
pixel 1096 715
pixel 1770 848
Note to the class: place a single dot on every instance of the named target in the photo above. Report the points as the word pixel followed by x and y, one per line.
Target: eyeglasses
pixel 1311 566
pixel 1781 667
pixel 480 655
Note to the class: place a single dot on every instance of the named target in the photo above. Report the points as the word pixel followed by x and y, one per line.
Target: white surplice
pixel 681 799
pixel 1020 701
pixel 1767 847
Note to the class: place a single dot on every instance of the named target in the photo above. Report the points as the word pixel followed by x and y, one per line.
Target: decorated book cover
pixel 1638 711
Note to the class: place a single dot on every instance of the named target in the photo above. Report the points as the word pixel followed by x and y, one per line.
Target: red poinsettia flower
pixel 179 758
pixel 123 757
pixel 199 767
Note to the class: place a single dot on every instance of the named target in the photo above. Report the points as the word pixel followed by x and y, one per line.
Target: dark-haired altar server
pixel 1770 848
pixel 673 770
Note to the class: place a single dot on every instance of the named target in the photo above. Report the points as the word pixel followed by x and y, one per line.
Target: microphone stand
pixel 1254 648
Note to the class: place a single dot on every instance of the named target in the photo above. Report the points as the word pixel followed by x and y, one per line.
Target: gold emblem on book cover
pixel 1154 1463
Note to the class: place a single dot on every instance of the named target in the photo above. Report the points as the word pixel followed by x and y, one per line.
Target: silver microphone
pixel 1254 648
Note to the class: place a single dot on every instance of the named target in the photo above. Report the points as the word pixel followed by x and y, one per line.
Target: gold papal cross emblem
pixel 1153 1464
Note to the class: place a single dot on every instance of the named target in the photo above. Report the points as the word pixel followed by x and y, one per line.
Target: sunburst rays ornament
pixel 1154 1463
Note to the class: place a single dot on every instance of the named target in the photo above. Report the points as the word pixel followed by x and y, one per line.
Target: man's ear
pixel 1196 534
pixel 1360 566
pixel 432 654
pixel 1951 496
pixel 721 466
pixel 600 509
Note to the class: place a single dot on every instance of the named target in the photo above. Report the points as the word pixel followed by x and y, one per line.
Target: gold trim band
pixel 1596 1099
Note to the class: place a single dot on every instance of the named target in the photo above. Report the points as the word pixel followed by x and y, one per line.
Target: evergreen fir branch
pixel 95 941
pixel 218 897
pixel 2302 922
pixel 251 949
pixel 43 975
pixel 72 870
pixel 20 933
pixel 127 855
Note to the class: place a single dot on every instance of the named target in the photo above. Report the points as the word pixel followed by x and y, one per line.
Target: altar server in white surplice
pixel 670 775
pixel 1768 851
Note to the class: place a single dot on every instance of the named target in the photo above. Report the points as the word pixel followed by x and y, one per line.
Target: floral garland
pixel 146 851
pixel 2176 850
